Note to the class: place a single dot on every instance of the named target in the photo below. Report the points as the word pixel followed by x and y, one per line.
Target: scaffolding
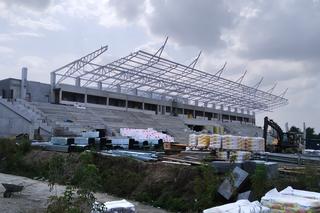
pixel 152 74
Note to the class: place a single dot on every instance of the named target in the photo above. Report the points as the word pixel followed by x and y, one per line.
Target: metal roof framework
pixel 152 73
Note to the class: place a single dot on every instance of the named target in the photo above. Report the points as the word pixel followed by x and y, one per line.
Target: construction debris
pixel 232 183
pixel 144 156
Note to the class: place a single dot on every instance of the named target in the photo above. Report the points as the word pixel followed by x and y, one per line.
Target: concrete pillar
pixel 24 75
pixel 99 85
pixel 53 80
pixel 60 96
pixel 242 111
pixel 118 88
pixel 53 85
pixel 221 107
pixel 213 106
pixel 248 112
pixel 229 108
pixel 86 98
pixel 135 91
pixel 78 82
pixel 196 103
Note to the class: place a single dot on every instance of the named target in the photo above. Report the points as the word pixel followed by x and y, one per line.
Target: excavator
pixel 282 141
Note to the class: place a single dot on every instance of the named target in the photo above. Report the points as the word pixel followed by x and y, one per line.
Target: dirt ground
pixel 34 197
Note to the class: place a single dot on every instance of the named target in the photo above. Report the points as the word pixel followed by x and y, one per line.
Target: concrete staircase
pixel 75 120
pixel 22 109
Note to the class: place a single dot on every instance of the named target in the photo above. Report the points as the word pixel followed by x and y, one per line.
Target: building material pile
pixel 145 135
pixel 291 200
pixel 215 141
pixel 241 206
pixel 144 156
pixel 235 155
pixel 232 183
pixel 226 142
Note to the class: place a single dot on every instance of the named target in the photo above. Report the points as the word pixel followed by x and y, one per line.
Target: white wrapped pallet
pixel 300 193
pixel 193 140
pixel 279 202
pixel 241 206
pixel 230 142
pixel 145 134
pixel 253 144
pixel 215 141
pixel 222 155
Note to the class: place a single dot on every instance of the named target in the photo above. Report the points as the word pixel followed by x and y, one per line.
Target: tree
pixel 294 129
pixel 310 132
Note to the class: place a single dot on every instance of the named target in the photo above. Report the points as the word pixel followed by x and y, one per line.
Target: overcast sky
pixel 277 40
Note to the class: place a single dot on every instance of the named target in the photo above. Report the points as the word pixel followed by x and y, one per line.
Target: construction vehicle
pixel 282 141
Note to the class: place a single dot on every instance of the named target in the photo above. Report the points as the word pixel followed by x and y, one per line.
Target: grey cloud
pixel 129 10
pixel 32 4
pixel 282 29
pixel 193 23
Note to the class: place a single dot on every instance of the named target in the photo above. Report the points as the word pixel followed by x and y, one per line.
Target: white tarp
pixel 241 206
pixel 282 202
pixel 117 206
pixel 145 134
pixel 300 193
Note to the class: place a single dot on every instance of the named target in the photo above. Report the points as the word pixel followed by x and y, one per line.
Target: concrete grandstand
pixel 141 90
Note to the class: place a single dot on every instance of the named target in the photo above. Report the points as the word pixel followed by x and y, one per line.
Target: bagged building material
pixel 231 142
pixel 300 193
pixel 279 202
pixel 254 144
pixel 223 155
pixel 241 155
pixel 215 141
pixel 203 141
pixel 193 138
pixel 241 206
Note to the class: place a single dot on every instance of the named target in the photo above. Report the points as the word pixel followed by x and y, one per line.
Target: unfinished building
pixel 139 90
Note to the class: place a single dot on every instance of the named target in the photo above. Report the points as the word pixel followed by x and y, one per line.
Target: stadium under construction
pixel 141 90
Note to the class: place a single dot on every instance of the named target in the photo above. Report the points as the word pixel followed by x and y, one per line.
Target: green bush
pixel 259 181
pixel 205 188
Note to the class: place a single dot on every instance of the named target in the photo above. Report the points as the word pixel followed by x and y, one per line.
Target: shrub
pixel 259 181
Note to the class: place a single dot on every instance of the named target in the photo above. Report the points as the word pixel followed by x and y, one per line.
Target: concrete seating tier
pixel 73 119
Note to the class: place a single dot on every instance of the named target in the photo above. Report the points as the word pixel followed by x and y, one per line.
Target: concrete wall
pixel 39 92
pixel 36 91
pixel 12 124
pixel 161 104
pixel 10 84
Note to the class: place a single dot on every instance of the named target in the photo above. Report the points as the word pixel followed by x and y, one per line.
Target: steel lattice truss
pixel 151 73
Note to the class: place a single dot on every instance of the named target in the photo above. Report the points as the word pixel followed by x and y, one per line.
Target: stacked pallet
pixel 226 142
pixel 203 141
pixel 145 134
pixel 254 144
pixel 215 141
pixel 193 140
pixel 230 142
